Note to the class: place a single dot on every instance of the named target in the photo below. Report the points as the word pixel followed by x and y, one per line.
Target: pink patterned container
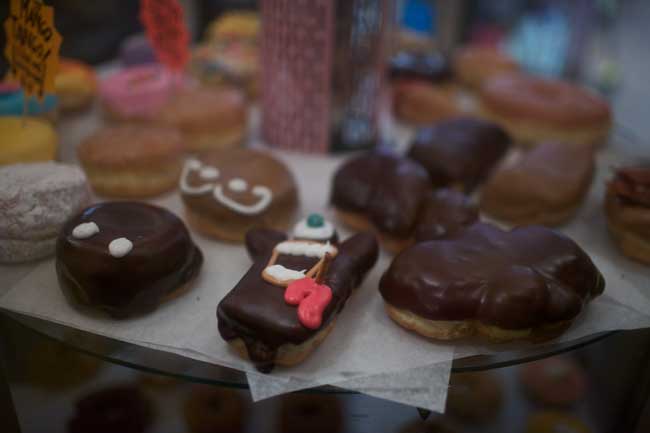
pixel 322 73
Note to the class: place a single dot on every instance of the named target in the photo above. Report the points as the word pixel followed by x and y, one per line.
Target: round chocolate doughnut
pixel 125 258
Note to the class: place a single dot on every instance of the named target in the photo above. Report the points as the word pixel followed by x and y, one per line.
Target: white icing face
pixel 85 230
pixel 237 185
pixel 302 230
pixel 120 247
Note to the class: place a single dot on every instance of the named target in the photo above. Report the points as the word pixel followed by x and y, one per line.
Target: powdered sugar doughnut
pixel 35 200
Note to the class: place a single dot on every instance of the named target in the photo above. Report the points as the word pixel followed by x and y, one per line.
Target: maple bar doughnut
pixel 530 282
pixel 535 109
pixel 228 192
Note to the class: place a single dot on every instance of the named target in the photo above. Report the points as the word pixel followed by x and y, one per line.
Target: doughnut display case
pixel 189 251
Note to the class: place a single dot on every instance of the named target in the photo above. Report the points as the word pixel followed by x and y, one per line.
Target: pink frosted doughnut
pixel 138 91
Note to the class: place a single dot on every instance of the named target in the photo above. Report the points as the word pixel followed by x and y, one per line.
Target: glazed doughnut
pixel 553 422
pixel 121 408
pixel 138 93
pixel 75 85
pixel 26 139
pixel 474 65
pixel 475 397
pixel 535 109
pixel 214 409
pixel 228 192
pixel 420 103
pixel 132 160
pixel 530 282
pixel 12 103
pixel 544 185
pixel 35 200
pixel 556 381
pixel 313 413
pixel 125 258
pixel 208 118
pixel 627 206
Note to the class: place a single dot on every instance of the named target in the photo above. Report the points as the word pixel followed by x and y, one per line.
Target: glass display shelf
pixel 179 367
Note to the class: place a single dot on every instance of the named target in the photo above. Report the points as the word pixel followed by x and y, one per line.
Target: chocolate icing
pixel 117 409
pixel 632 185
pixel 432 68
pixel 163 258
pixel 460 151
pixel 524 278
pixel 386 188
pixel 445 213
pixel 255 310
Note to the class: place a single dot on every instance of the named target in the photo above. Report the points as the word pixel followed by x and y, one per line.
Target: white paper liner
pixel 366 351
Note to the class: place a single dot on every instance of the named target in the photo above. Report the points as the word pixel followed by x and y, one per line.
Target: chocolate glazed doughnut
pixel 460 152
pixel 125 258
pixel 255 317
pixel 529 282
pixel 393 195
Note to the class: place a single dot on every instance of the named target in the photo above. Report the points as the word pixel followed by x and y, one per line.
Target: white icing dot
pixel 120 247
pixel 193 164
pixel 237 184
pixel 85 230
pixel 209 173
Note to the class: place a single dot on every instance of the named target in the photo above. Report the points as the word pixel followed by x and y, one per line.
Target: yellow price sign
pixel 32 46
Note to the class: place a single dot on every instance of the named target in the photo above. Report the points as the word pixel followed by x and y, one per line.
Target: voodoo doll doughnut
pixel 228 192
pixel 125 258
pixel 287 302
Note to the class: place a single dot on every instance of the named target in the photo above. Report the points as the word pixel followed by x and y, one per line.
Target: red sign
pixel 165 27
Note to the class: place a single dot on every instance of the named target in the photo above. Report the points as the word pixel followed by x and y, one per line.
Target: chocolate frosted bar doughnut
pixel 256 317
